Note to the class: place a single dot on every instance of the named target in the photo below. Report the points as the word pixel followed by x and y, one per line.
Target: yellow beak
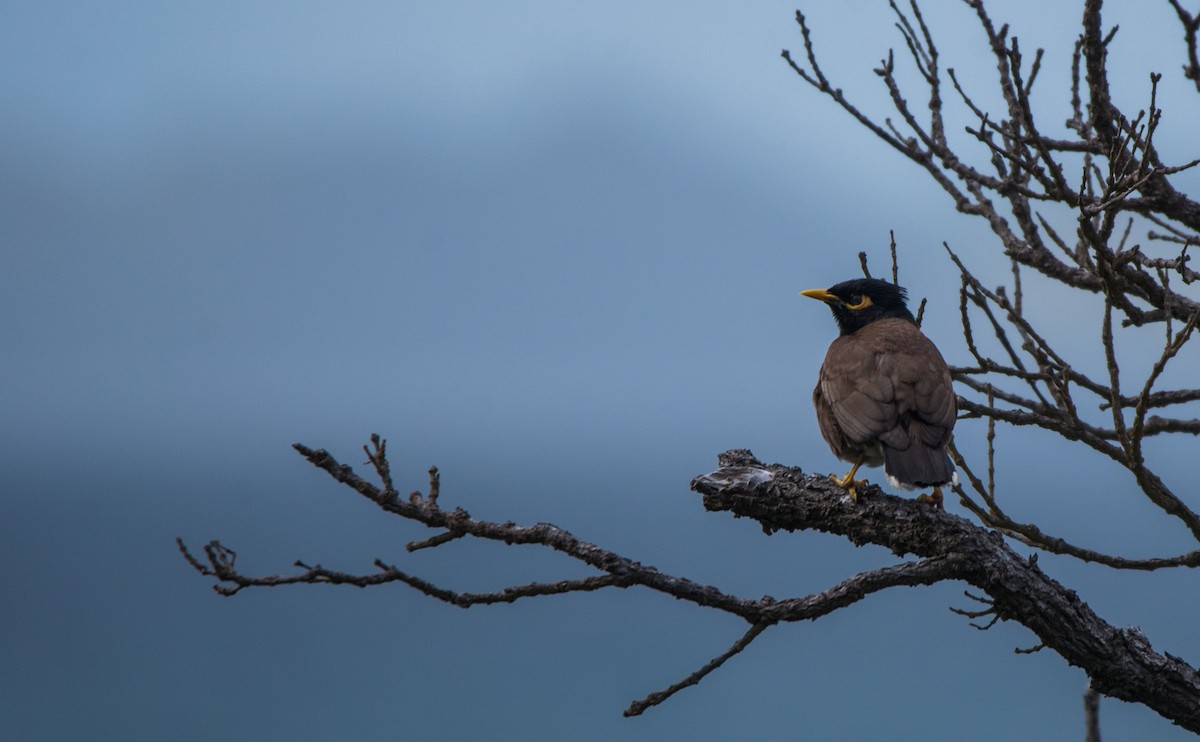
pixel 820 294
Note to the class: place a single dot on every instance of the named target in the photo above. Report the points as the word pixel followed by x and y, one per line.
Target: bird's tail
pixel 918 466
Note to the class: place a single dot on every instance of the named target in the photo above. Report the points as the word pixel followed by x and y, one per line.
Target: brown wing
pixel 882 379
pixel 842 446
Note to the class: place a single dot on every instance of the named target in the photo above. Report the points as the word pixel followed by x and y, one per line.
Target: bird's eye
pixel 858 301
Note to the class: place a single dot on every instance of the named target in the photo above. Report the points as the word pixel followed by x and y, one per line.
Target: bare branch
pixel 1091 715
pixel 1017 588
pixel 1191 25
pixel 1119 662
pixel 433 541
pixel 637 707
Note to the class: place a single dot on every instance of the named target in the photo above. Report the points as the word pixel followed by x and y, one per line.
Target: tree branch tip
pixel 435 479
pixel 978 614
pixel 862 262
pixel 191 559
pixel 977 598
pixel 638 707
pixel 436 540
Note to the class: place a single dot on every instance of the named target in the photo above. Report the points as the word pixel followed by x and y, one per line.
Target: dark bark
pixel 1120 662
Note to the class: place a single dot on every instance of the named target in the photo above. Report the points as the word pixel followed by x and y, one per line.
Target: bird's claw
pixel 934 498
pixel 848 483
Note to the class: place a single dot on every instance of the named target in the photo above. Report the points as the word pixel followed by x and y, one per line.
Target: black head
pixel 859 302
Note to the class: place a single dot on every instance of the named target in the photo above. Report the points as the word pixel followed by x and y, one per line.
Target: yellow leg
pixel 848 481
pixel 934 498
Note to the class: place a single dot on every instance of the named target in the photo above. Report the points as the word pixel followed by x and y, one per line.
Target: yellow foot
pixel 849 483
pixel 934 498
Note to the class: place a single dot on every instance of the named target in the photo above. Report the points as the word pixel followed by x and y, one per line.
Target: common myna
pixel 884 393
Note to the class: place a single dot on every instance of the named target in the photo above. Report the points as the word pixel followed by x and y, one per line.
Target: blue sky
pixel 552 248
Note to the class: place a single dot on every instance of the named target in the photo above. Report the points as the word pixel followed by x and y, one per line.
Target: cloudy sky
pixel 553 248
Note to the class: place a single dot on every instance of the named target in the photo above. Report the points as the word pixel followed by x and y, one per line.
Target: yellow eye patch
pixel 863 302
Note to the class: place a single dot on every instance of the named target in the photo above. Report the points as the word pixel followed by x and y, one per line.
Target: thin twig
pixel 637 707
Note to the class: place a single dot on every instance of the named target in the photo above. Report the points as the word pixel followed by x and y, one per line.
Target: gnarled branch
pixel 1119 662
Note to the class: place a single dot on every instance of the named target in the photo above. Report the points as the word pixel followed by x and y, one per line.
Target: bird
pixel 884 394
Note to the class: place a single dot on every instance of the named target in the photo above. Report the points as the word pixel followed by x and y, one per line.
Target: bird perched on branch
pixel 884 394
